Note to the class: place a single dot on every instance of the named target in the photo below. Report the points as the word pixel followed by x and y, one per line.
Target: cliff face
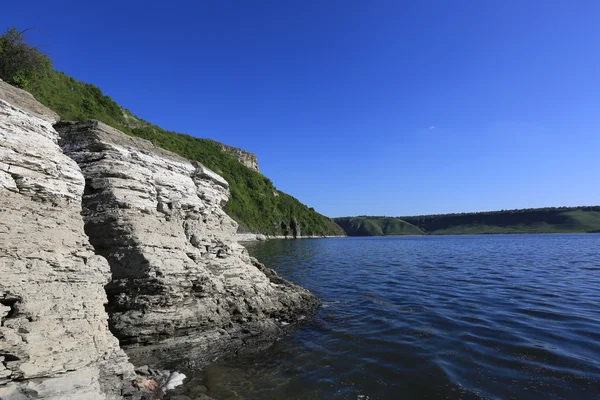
pixel 182 286
pixel 93 212
pixel 243 156
pixel 54 337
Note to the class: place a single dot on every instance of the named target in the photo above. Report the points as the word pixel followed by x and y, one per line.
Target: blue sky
pixel 359 107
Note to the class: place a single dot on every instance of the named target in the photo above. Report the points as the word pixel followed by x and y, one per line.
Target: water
pixel 437 317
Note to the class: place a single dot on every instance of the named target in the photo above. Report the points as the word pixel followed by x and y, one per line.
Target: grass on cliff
pixel 255 202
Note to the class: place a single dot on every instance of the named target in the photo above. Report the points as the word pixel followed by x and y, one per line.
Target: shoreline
pixel 476 234
pixel 259 237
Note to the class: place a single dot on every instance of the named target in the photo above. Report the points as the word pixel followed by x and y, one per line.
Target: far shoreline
pixel 259 237
pixel 253 237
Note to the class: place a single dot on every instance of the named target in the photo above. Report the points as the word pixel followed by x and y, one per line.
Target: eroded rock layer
pixel 54 337
pixel 182 286
pixel 243 156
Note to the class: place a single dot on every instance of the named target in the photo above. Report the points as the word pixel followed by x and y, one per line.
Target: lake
pixel 436 317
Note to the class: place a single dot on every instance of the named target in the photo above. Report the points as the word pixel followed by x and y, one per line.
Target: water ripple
pixel 457 317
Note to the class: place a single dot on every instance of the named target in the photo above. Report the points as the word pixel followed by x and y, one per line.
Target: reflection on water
pixel 453 317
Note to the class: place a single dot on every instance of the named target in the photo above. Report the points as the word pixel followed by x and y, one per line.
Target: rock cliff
pixel 243 156
pixel 93 217
pixel 54 337
pixel 182 286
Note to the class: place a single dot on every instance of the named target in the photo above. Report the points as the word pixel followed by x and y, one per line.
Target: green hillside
pixel 541 220
pixel 376 226
pixel 255 202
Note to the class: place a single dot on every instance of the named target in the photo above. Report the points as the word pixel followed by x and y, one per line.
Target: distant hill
pixel 255 202
pixel 376 226
pixel 540 220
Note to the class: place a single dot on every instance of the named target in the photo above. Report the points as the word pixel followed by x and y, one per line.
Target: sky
pixel 354 107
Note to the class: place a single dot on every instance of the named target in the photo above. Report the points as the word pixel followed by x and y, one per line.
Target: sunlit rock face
pixel 243 156
pixel 54 337
pixel 182 287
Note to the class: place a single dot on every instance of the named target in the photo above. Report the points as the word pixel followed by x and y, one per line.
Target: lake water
pixel 436 317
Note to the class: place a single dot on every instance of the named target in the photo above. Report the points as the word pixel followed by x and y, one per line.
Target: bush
pixel 20 63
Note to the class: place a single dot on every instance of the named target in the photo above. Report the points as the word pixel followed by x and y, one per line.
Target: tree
pixel 19 61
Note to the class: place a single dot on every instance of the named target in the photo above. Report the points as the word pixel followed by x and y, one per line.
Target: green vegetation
pixel 539 220
pixel 255 202
pixel 21 63
pixel 376 226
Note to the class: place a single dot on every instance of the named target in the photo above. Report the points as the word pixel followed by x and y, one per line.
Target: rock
pixel 243 156
pixel 25 101
pixel 182 288
pixel 295 225
pixel 54 337
pixel 199 389
pixel 155 384
pixel 144 370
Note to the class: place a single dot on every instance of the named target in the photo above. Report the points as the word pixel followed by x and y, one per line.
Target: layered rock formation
pixel 140 224
pixel 243 156
pixel 54 337
pixel 182 287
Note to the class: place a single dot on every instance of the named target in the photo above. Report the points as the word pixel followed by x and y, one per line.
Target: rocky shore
pixel 91 216
pixel 254 237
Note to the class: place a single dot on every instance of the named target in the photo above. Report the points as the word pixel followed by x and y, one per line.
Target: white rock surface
pixel 243 156
pixel 54 337
pixel 25 101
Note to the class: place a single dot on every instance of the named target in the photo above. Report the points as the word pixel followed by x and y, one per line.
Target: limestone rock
pixel 243 156
pixel 25 101
pixel 54 337
pixel 182 288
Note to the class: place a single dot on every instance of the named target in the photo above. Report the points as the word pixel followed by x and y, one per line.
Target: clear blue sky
pixel 359 107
